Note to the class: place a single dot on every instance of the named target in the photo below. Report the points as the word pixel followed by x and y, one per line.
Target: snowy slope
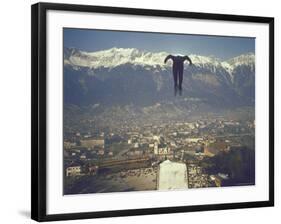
pixel 117 56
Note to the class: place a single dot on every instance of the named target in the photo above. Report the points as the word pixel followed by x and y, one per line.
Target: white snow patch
pixel 172 175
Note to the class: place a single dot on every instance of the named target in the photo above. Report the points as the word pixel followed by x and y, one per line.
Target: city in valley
pixel 157 111
pixel 136 155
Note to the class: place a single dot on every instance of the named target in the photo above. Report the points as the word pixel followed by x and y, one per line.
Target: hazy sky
pixel 218 46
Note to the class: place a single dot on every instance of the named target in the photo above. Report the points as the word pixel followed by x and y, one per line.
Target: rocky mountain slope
pixel 119 76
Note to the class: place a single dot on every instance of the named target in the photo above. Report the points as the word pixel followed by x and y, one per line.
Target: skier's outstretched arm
pixel 188 59
pixel 167 58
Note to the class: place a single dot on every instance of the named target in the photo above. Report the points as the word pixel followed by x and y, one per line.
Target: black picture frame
pixel 39 122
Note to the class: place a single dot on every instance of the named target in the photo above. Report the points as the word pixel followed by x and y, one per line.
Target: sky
pixel 221 47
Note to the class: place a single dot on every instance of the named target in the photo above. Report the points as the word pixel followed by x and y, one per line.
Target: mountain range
pixel 129 76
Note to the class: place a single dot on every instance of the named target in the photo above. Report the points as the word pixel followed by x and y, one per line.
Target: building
pixel 93 169
pixel 156 138
pixel 91 143
pixel 216 148
pixel 164 151
pixel 194 140
pixel 69 145
pixel 110 153
pixel 100 152
pixel 83 156
pixel 172 175
pixel 161 150
pixel 73 170
pixel 155 148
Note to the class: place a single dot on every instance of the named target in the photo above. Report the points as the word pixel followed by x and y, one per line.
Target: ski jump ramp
pixel 172 175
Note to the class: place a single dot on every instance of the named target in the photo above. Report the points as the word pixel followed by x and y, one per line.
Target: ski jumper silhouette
pixel 178 65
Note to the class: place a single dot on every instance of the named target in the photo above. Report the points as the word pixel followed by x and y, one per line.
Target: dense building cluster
pixel 123 150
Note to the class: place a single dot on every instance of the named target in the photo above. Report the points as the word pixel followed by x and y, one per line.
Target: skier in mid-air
pixel 178 65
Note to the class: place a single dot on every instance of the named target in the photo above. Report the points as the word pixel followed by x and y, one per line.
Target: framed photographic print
pixel 139 111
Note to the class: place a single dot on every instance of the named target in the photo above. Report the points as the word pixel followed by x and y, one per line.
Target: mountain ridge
pixel 128 75
pixel 116 56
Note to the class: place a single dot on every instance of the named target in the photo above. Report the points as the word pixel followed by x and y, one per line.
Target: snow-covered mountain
pixel 133 76
pixel 112 57
pixel 117 56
